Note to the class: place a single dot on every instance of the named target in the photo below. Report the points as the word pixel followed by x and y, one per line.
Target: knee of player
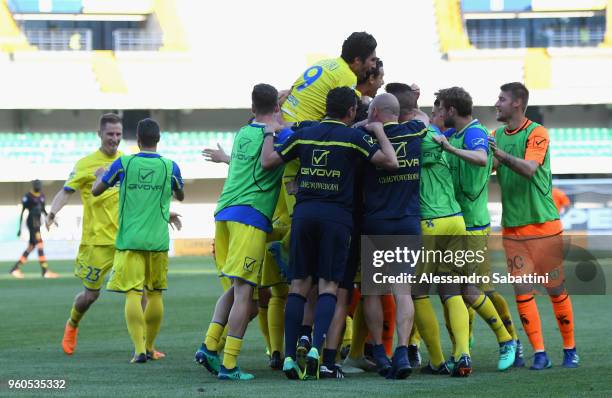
pixel 523 288
pixel 91 296
pixel 301 286
pixel 253 309
pixel 555 291
pixel 242 288
pixel 327 287
pixel 264 296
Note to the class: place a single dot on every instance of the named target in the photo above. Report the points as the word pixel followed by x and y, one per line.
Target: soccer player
pixel 322 220
pixel 147 182
pixel 242 221
pixel 34 203
pixel 307 96
pixel 532 231
pixel 470 164
pixel 306 101
pixel 272 318
pixel 440 215
pixel 368 86
pixel 97 250
pixel 392 208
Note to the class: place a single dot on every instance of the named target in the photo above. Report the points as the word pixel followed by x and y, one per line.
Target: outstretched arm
pixel 269 157
pixel 99 186
pixel 59 201
pixel 216 155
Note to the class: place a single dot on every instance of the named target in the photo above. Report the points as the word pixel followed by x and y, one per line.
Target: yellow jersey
pixel 309 92
pixel 100 214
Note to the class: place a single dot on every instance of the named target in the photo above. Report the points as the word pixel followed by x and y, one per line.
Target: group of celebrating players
pixel 287 238
pixel 318 166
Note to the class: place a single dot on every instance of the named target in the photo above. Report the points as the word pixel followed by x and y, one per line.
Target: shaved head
pixel 386 105
pixel 406 96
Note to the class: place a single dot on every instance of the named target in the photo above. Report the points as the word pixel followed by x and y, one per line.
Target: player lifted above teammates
pixel 34 203
pixel 306 101
pixel 322 223
pixel 147 183
pixel 532 230
pixel 242 220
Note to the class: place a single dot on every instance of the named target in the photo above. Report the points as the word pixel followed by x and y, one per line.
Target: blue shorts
pixel 352 262
pixel 407 225
pixel 318 249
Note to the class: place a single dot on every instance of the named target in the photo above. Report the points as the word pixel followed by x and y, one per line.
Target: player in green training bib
pixel 470 165
pixel 242 222
pixel 147 184
pixel 443 227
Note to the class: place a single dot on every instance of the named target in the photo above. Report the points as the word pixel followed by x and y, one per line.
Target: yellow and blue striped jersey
pixel 100 214
pixel 309 92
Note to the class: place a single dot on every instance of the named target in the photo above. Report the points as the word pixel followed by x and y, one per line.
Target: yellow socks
pixel 262 317
pixel 448 327
pixel 153 314
pixel 471 315
pixel 460 325
pixel 415 337
pixel 75 317
pixel 486 310
pixel 501 305
pixel 360 333
pixel 222 339
pixel 213 335
pixel 276 317
pixel 134 317
pixel 231 352
pixel 348 332
pixel 427 324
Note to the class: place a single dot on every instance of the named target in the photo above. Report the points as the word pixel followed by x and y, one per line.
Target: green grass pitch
pixel 33 313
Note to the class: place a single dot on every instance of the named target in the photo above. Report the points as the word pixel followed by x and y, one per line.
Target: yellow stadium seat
pixel 11 38
pixel 107 73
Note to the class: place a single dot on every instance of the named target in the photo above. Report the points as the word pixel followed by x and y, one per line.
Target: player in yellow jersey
pixel 96 252
pixel 306 101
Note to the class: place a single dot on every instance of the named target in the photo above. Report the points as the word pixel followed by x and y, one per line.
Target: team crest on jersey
pixel 249 263
pixel 400 149
pixel 368 139
pixel 243 144
pixel 319 157
pixel 145 176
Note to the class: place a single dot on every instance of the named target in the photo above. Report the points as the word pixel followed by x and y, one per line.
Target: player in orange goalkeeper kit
pixel 532 231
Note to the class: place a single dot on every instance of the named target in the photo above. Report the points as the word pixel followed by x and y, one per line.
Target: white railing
pixel 498 38
pixel 575 37
pixel 60 39
pixel 136 40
